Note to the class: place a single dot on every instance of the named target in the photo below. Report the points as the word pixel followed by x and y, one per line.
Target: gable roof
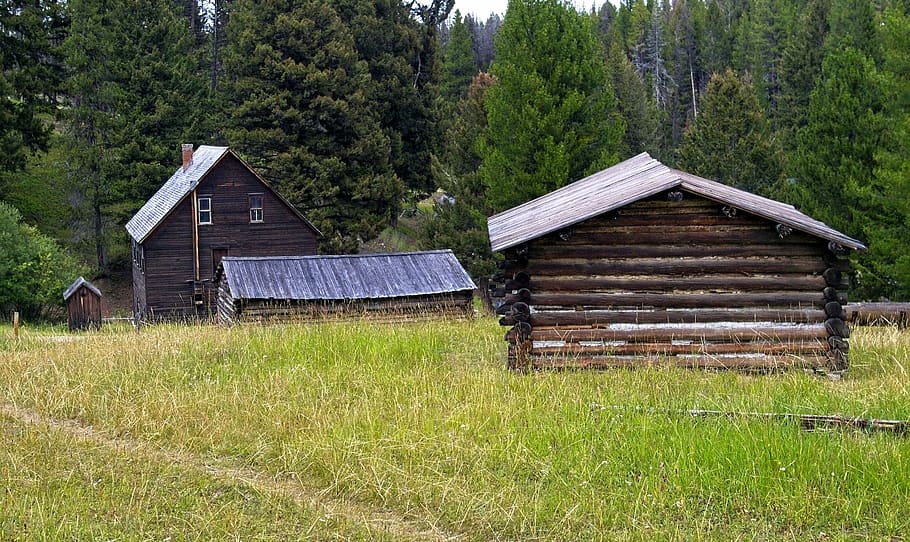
pixel 79 282
pixel 181 184
pixel 357 276
pixel 630 181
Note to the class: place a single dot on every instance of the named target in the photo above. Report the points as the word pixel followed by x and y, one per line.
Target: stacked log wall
pixel 455 305
pixel 691 282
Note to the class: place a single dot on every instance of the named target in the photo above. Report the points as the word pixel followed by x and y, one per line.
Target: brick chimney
pixel 187 149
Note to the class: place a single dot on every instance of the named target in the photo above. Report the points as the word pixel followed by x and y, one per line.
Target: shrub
pixel 34 269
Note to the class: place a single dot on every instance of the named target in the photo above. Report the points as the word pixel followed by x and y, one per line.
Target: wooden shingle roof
pixel 358 276
pixel 79 282
pixel 627 182
pixel 180 185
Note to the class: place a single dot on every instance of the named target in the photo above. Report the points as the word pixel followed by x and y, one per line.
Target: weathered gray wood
pixel 881 314
pixel 696 333
pixel 669 266
pixel 763 364
pixel 604 318
pixel 681 250
pixel 834 310
pixel 684 300
pixel 837 328
pixel 815 348
pixel 664 283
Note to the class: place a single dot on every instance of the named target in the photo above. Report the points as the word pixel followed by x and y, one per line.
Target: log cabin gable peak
pixel 197 166
pixel 630 181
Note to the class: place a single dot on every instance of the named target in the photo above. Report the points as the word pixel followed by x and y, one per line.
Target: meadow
pixel 363 431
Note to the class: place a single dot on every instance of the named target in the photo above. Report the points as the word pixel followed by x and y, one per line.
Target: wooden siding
pixel 170 257
pixel 83 309
pixel 680 282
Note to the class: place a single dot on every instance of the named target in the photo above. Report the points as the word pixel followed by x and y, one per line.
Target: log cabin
pixel 384 286
pixel 214 205
pixel 641 264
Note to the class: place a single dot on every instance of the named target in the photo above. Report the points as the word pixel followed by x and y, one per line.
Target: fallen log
pixel 809 422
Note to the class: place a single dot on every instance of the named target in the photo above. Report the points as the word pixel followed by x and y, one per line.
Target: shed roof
pixel 79 282
pixel 360 276
pixel 181 184
pixel 630 181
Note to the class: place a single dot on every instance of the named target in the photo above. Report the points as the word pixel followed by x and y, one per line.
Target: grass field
pixel 418 432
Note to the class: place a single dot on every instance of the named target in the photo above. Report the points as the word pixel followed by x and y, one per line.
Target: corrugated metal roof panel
pixel 173 191
pixel 627 182
pixel 360 276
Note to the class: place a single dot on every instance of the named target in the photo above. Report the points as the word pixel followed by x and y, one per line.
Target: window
pixel 204 208
pixel 255 207
pixel 139 256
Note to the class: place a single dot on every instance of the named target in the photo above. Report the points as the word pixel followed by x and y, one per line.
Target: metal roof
pixel 77 284
pixel 359 276
pixel 181 184
pixel 630 181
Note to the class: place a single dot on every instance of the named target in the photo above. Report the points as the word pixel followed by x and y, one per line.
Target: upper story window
pixel 204 209
pixel 256 208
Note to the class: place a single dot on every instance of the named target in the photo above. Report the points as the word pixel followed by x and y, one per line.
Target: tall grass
pixel 425 420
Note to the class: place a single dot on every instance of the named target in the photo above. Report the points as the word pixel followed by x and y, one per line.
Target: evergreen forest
pixel 356 110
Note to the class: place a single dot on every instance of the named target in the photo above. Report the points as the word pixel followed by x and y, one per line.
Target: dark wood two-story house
pixel 213 206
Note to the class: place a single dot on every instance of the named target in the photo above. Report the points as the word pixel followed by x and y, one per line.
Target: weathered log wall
pixel 690 282
pixel 232 311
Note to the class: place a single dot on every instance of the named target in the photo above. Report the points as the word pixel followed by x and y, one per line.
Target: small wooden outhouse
pixel 641 263
pixel 83 305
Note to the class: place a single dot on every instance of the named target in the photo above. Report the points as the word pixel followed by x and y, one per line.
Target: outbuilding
pixel 83 305
pixel 641 263
pixel 214 205
pixel 431 283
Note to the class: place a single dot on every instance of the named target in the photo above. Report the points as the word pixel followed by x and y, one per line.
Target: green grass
pixel 425 421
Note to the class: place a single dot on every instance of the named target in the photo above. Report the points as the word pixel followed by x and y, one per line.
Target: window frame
pixel 260 208
pixel 200 210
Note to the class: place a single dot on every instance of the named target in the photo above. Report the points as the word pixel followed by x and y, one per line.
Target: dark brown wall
pixel 682 262
pixel 84 309
pixel 169 252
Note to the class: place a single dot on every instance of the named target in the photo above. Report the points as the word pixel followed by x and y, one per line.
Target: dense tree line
pixel 353 108
pixel 805 101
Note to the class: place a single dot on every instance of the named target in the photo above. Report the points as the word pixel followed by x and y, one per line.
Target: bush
pixel 34 270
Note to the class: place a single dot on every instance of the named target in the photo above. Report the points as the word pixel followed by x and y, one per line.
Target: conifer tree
pixel 551 114
pixel 30 76
pixel 458 61
pixel 730 140
pixel 800 68
pixel 135 92
pixel 300 100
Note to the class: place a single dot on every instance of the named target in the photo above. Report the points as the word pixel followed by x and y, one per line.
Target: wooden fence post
pixel 16 326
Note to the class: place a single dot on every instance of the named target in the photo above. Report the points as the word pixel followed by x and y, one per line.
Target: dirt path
pixel 375 519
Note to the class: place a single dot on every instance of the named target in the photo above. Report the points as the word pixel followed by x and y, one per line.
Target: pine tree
pixel 136 92
pixel 30 76
pixel 836 149
pixel 730 140
pixel 552 117
pixel 459 221
pixel 800 69
pixel 458 61
pixel 302 112
pixel 887 264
